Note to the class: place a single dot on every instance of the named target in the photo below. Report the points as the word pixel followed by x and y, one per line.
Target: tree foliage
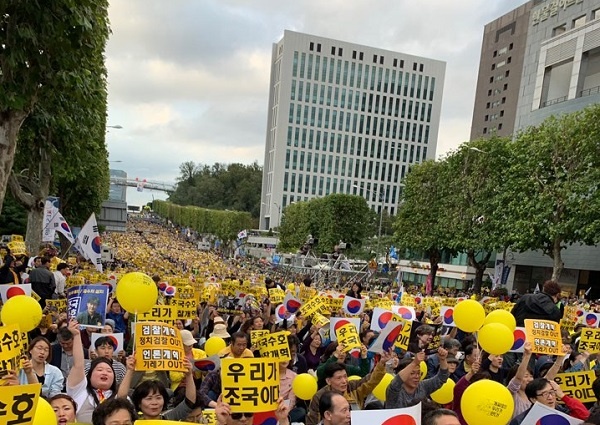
pixel 45 49
pixel 225 225
pixel 330 219
pixel 556 173
pixel 221 186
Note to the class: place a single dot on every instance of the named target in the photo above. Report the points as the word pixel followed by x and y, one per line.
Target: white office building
pixel 345 118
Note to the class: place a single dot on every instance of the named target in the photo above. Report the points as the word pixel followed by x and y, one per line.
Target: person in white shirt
pixel 60 277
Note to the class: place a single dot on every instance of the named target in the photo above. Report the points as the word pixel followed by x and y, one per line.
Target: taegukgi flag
pixel 89 242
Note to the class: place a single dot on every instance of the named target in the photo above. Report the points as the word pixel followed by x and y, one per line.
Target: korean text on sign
pixel 274 345
pixel 251 384
pixel 160 313
pixel 590 340
pixel 348 336
pixel 158 346
pixel 276 295
pixel 403 338
pixel 256 335
pixel 18 403
pixel 577 385
pixel 10 347
pixel 544 336
pixel 312 306
pixel 185 300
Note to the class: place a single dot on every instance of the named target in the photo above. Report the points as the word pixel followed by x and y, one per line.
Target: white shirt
pixel 60 280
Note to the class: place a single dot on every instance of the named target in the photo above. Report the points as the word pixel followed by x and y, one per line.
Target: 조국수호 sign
pixel 250 384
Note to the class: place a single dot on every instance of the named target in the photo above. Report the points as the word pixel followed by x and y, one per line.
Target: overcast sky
pixel 189 79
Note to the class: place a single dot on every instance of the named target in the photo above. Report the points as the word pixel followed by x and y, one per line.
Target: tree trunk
pixel 33 237
pixel 434 260
pixel 558 265
pixel 479 267
pixel 10 123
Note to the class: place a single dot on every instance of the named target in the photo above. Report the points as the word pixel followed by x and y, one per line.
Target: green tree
pixel 42 49
pixel 61 148
pixel 421 224
pixel 13 220
pixel 556 169
pixel 474 208
pixel 331 219
pixel 220 186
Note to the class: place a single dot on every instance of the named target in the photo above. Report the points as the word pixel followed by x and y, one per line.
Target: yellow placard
pixel 274 345
pixel 276 295
pixel 590 340
pixel 209 416
pixel 17 248
pixel 577 385
pixel 159 313
pixel 383 303
pixel 312 306
pixel 306 293
pixel 11 347
pixel 187 308
pixel 250 384
pixel 158 346
pixel 544 336
pixel 19 403
pixel 404 336
pixel 57 306
pixel 256 335
pixel 319 320
pixel 348 336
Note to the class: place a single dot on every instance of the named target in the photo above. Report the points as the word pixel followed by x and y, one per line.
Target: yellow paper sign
pixel 276 295
pixel 319 320
pixel 590 340
pixel 312 306
pixel 404 336
pixel 274 345
pixel 348 336
pixel 185 300
pixel 17 248
pixel 250 384
pixel 158 346
pixel 19 403
pixel 209 416
pixel 256 335
pixel 57 306
pixel 160 313
pixel 544 336
pixel 577 385
pixel 11 348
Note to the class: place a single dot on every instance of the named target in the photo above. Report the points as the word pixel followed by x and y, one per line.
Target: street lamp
pixel 382 199
pixel 118 127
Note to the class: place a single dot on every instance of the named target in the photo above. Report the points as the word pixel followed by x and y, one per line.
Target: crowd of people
pixel 95 384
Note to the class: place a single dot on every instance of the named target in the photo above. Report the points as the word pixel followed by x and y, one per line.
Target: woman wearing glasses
pixel 548 393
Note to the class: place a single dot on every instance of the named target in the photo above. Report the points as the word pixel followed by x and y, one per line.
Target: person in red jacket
pixel 547 393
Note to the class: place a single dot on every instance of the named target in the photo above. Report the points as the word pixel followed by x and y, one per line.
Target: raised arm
pixel 125 385
pixel 77 373
pixel 553 371
pixel 524 362
pixel 190 386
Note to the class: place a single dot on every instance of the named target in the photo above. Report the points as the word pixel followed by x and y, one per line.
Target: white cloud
pixel 188 80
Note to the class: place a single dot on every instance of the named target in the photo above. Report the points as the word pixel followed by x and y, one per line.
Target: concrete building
pixel 500 68
pixel 556 61
pixel 345 118
pixel 113 215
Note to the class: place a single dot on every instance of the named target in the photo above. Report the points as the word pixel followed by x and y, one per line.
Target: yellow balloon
pixel 213 345
pixel 380 390
pixel 495 338
pixel 423 367
pixel 291 286
pixel 469 315
pixel 137 292
pixel 22 310
pixel 487 402
pixel 354 378
pixel 445 394
pixel 304 386
pixel 501 316
pixel 44 413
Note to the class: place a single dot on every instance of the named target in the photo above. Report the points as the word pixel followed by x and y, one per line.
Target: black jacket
pixel 536 306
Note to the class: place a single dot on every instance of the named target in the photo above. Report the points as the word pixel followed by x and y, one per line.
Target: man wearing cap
pixel 91 316
pixel 105 346
pixel 192 354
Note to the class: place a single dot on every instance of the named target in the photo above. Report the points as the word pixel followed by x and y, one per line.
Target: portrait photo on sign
pixel 87 304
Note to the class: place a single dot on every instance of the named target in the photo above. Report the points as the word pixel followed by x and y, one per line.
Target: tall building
pixel 556 58
pixel 357 118
pixel 500 69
